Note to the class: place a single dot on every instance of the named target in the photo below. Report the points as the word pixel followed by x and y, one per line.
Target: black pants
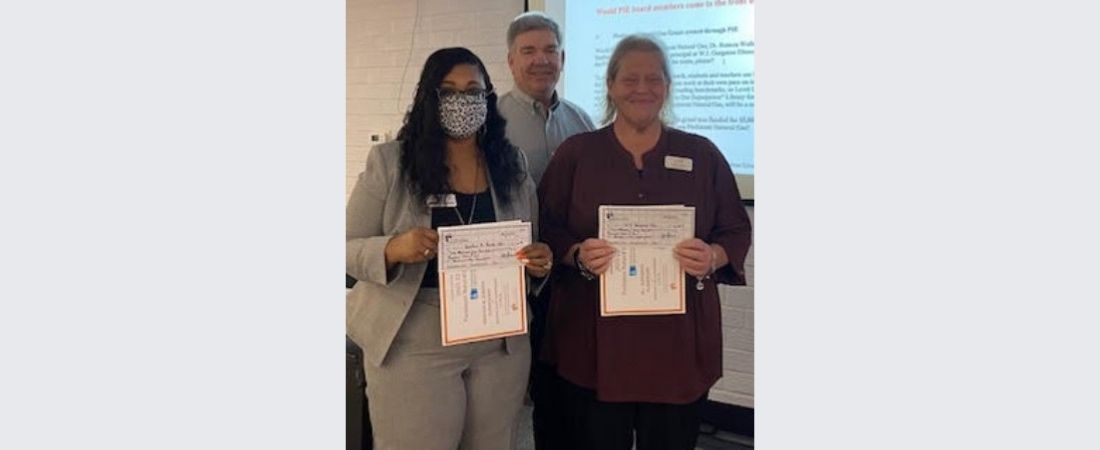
pixel 595 425
pixel 546 415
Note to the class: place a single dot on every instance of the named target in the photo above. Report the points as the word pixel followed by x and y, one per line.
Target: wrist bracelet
pixel 713 259
pixel 587 274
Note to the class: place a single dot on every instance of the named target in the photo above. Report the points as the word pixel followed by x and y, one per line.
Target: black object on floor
pixel 359 434
pixel 730 418
pixel 358 417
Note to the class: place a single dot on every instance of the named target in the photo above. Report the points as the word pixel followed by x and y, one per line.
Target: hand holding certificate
pixel 644 277
pixel 482 287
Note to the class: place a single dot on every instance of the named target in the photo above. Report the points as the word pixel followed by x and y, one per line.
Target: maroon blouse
pixel 659 359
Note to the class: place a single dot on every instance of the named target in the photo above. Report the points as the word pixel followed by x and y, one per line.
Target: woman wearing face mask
pixel 423 395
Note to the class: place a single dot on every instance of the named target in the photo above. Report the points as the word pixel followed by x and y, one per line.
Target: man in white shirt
pixel 538 121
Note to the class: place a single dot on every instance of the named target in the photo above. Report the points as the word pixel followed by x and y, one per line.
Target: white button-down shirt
pixel 538 130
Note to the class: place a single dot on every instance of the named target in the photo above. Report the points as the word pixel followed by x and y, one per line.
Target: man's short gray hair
pixel 532 20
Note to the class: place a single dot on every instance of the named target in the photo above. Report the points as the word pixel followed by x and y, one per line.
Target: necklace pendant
pixel 469 219
pixel 699 284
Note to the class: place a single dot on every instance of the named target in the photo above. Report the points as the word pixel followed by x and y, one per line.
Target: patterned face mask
pixel 462 114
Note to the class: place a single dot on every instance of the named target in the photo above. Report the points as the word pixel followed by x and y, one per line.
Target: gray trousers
pixel 428 397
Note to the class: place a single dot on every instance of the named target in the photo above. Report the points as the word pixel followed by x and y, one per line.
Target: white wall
pixel 384 58
pixel 736 385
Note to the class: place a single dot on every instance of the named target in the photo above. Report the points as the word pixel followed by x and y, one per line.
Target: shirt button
pixel 641 195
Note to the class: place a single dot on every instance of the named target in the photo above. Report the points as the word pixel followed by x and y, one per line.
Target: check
pixel 482 286
pixel 644 278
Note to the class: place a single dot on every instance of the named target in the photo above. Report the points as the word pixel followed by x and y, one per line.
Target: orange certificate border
pixel 443 313
pixel 605 312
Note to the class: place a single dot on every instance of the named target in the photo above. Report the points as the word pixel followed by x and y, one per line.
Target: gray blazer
pixel 380 207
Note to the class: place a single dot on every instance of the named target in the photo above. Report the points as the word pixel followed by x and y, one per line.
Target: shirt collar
pixel 535 104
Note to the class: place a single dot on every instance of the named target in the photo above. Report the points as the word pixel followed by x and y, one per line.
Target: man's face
pixel 536 60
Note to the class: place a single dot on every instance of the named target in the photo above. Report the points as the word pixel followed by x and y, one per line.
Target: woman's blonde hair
pixel 637 43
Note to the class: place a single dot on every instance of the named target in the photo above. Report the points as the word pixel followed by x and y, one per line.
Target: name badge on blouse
pixel 442 201
pixel 678 163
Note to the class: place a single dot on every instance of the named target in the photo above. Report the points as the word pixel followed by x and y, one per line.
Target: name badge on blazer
pixel 678 163
pixel 442 201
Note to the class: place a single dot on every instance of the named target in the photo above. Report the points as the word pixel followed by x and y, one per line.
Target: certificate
pixel 482 286
pixel 644 277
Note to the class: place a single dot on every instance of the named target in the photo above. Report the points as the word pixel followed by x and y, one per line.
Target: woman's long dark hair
pixel 423 141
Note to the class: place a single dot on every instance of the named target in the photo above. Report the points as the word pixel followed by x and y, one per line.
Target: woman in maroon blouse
pixel 638 375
